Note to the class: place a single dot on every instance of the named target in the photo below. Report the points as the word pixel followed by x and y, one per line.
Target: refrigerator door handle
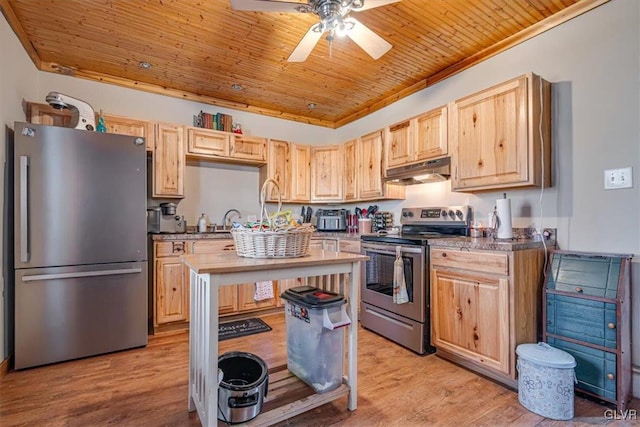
pixel 78 274
pixel 24 209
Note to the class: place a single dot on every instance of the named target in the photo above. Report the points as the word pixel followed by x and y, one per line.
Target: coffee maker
pixel 163 219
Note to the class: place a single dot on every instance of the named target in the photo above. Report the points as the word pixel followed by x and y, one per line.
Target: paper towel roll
pixel 503 212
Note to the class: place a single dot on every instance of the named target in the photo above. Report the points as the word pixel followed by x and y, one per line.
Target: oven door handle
pixel 384 251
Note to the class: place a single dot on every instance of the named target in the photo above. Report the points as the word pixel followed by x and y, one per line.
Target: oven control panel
pixel 460 215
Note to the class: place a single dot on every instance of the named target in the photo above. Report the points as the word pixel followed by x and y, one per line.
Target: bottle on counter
pixel 202 223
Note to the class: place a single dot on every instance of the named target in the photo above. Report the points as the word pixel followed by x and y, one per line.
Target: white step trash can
pixel 546 380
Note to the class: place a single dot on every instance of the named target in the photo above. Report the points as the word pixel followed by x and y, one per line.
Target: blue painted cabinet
pixel 587 313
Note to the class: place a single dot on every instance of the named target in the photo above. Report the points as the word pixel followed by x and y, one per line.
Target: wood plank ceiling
pixel 199 49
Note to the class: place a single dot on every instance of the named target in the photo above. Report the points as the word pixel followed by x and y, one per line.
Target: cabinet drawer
pixel 595 369
pixel 212 246
pixel 585 274
pixel 477 261
pixel 590 321
pixel 174 248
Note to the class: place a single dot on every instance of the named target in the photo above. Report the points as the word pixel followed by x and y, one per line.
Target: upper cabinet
pixel 327 166
pixel 300 159
pixel 168 161
pixel 128 126
pixel 278 168
pixel 351 170
pixel 208 144
pixel 501 137
pixel 250 148
pixel 417 139
pixel 44 114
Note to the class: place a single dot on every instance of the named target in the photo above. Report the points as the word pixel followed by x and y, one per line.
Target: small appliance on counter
pixel 332 220
pixel 163 219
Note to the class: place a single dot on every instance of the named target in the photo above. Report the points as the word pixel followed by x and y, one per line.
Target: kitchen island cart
pixel 209 272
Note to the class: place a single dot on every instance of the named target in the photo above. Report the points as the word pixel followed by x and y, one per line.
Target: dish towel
pixel 264 290
pixel 400 295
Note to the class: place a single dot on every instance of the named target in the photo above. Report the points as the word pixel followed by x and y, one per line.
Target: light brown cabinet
pixel 278 168
pixel 227 295
pixel 327 171
pixel 249 148
pixel 45 114
pixel 351 170
pixel 128 126
pixel 170 284
pixel 501 137
pixel 207 143
pixel 168 161
pixel 420 138
pixel 483 304
pixel 300 186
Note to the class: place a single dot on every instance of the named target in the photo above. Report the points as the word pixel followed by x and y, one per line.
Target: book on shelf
pixel 217 121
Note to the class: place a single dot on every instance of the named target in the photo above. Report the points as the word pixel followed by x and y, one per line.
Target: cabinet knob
pixel 174 289
pixel 444 255
pixel 611 326
pixel 611 376
pixel 579 290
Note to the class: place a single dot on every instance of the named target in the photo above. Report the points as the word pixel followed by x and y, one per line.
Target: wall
pixel 17 75
pixel 593 62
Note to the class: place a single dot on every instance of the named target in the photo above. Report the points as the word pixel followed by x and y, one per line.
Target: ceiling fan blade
pixel 369 41
pixel 267 6
pixel 306 45
pixel 370 4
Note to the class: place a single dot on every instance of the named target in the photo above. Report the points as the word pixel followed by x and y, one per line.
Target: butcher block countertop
pixel 230 262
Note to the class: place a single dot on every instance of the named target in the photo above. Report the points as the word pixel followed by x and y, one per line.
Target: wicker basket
pixel 269 243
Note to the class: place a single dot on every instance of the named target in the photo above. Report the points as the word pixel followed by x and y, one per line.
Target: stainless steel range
pixel 407 324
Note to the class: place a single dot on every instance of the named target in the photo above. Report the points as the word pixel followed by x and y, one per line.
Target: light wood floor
pixel 148 387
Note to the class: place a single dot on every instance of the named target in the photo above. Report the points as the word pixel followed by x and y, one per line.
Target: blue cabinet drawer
pixel 593 322
pixel 585 274
pixel 595 369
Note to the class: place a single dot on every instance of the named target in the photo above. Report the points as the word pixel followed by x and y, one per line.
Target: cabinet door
pixel 44 114
pixel 350 170
pixel 168 161
pixel 327 164
pixel 128 126
pixel 300 172
pixel 172 292
pixel 207 143
pixel 279 169
pixel 370 185
pixel 246 293
pixel 431 134
pixel 488 132
pixel 470 317
pixel 227 295
pixel 248 148
pixel 399 150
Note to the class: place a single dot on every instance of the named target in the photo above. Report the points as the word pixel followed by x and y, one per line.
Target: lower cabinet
pixel 170 285
pixel 484 304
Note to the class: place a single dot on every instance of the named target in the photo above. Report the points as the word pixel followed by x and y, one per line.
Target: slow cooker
pixel 243 386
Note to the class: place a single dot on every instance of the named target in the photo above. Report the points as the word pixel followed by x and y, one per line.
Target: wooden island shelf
pixel 287 394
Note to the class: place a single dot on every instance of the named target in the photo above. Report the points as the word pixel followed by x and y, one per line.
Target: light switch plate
pixel 618 178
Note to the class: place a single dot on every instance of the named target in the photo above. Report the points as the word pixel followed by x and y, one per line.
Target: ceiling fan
pixel 334 20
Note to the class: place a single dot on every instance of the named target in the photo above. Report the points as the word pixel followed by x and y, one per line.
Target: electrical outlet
pixel 618 178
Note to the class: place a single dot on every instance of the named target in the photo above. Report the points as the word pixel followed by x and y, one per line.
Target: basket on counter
pixel 272 242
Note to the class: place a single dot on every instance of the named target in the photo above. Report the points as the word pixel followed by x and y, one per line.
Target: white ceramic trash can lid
pixel 545 355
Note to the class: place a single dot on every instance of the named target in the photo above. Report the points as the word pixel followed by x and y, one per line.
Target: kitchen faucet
pixel 224 218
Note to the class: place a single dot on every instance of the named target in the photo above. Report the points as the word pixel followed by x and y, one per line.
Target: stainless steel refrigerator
pixel 79 243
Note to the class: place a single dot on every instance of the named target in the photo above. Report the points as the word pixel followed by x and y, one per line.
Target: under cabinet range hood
pixel 420 173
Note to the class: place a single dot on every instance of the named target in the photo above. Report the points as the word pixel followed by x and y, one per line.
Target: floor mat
pixel 241 328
